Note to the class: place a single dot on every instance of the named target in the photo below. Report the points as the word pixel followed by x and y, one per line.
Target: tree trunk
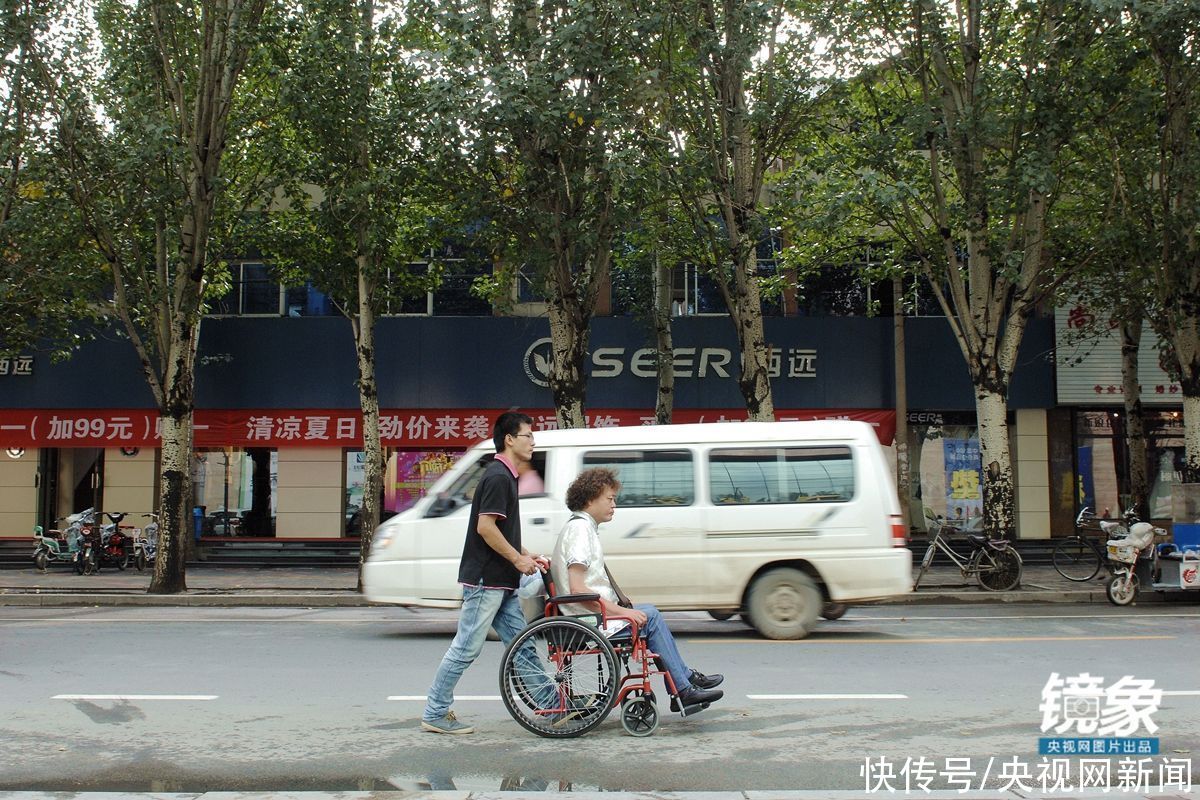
pixel 745 308
pixel 175 490
pixel 999 506
pixel 1191 438
pixel 1187 350
pixel 664 405
pixel 569 346
pixel 368 398
pixel 1135 426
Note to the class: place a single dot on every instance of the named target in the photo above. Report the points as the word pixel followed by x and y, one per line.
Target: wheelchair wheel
pixel 639 716
pixel 559 677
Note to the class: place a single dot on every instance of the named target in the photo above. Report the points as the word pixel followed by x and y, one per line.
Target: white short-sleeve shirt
pixel 579 543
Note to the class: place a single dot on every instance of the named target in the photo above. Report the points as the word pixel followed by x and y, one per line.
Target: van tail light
pixel 899 532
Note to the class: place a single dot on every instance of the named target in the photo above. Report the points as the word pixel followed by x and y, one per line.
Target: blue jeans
pixel 662 642
pixel 481 609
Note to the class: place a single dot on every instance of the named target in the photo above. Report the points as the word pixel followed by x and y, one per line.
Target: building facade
pixel 278 439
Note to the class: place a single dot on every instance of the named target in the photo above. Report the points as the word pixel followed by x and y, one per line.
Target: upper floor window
pixel 252 290
pixel 255 291
pixel 451 298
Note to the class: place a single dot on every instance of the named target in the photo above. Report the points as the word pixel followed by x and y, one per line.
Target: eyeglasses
pixel 528 436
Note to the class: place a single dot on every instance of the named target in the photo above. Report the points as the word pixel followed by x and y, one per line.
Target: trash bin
pixel 198 521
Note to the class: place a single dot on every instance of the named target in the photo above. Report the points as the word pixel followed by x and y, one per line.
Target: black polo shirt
pixel 496 495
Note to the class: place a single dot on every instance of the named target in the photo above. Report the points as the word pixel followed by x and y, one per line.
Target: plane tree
pixel 740 87
pixel 355 191
pixel 950 142
pixel 537 99
pixel 143 109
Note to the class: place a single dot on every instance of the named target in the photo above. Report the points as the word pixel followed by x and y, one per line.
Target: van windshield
pixel 462 491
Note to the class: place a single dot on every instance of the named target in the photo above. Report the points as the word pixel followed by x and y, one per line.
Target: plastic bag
pixel 531 586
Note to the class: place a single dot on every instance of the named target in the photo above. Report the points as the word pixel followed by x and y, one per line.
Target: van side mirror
pixel 445 505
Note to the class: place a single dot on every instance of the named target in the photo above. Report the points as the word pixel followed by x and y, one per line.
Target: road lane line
pixel 1115 615
pixel 134 697
pixel 827 696
pixel 944 640
pixel 422 698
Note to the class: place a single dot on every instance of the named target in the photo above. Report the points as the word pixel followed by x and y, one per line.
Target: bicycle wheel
pixel 1076 559
pixel 996 570
pixel 925 562
pixel 559 677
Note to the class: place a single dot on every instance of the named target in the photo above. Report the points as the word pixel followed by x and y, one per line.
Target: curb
pixel 284 598
pixel 56 599
pixel 749 794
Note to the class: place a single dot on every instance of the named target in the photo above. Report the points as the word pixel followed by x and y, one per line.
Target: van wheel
pixel 784 604
pixel 832 611
pixel 721 616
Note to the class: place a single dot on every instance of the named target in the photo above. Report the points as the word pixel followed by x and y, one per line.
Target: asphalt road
pixel 176 699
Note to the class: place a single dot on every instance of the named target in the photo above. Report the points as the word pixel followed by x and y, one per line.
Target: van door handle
pixel 538 520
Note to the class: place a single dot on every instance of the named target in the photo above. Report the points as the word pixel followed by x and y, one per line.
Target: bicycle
pixel 995 564
pixel 1077 557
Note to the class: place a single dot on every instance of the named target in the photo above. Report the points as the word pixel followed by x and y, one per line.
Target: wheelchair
pixel 561 676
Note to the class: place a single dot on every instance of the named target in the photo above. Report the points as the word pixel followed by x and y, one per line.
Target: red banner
pixel 454 428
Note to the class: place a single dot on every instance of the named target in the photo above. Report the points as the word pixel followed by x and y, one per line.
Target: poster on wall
pixel 964 494
pixel 410 473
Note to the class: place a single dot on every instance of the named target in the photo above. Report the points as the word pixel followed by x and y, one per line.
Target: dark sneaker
pixel 705 681
pixel 446 724
pixel 695 696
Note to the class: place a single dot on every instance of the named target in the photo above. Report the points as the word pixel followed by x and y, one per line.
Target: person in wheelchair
pixel 577 567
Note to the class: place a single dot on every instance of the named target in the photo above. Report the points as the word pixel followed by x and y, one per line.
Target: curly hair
pixel 589 485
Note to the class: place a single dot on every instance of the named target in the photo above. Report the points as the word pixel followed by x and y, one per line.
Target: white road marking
pixel 928 640
pixel 134 697
pixel 1186 693
pixel 827 696
pixel 911 617
pixel 422 698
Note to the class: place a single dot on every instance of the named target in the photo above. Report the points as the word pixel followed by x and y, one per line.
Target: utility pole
pixel 901 377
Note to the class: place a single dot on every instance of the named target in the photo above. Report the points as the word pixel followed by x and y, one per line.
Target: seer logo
pixel 610 362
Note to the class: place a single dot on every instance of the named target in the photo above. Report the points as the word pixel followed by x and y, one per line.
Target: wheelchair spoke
pixel 558 677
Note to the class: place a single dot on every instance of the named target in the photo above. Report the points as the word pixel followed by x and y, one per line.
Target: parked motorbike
pixel 82 525
pixel 145 546
pixel 1123 554
pixel 114 547
pixel 54 547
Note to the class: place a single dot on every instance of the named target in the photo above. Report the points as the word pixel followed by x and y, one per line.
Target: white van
pixel 769 519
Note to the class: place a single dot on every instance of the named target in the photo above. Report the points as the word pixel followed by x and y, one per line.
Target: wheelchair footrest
pixel 688 710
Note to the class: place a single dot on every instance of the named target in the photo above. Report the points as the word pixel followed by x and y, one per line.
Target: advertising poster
pixel 412 472
pixel 964 492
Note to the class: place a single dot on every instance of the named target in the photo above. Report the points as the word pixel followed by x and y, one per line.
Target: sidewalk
pixel 335 586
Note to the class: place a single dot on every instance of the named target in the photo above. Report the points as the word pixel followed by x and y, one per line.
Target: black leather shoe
pixel 705 681
pixel 695 696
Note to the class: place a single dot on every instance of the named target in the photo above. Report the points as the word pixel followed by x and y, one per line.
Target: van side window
pixel 781 475
pixel 649 477
pixel 462 491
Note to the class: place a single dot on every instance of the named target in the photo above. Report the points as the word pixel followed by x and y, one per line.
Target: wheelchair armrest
pixel 573 598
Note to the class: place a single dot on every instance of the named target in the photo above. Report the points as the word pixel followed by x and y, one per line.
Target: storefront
pixel 1092 458
pixel 278 435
